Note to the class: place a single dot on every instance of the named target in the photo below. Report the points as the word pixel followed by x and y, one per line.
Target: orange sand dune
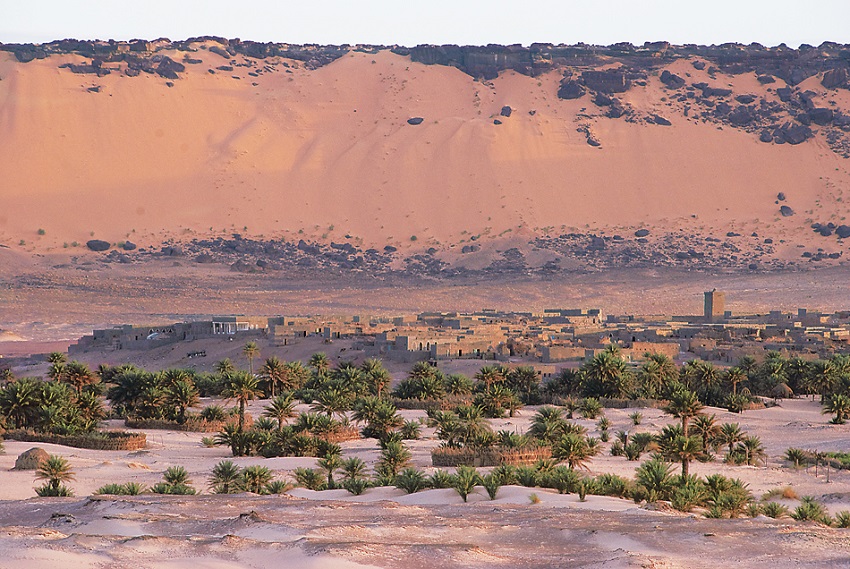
pixel 326 153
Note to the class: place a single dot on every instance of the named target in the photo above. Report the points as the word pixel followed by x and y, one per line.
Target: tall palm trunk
pixel 241 415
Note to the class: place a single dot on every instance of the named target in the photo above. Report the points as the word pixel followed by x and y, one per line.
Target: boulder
pixel 497 121
pixel 661 120
pixel 843 231
pixel 699 65
pixel 602 100
pixel 128 246
pixel 825 231
pixel 98 245
pixel 821 116
pixel 786 211
pixel 780 196
pixel 796 134
pixel 835 78
pixel 766 136
pixel 745 99
pixel 31 459
pixel 506 111
pixel 570 89
pixel 641 232
pixel 741 116
pixel 204 259
pixel 766 79
pixel 671 80
pixel 784 94
pixel 415 120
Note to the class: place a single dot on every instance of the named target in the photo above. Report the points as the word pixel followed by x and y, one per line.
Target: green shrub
pixel 465 481
pixel 491 483
pixel 411 480
pixel 441 479
pixel 355 485
pixel 310 478
pixel 774 510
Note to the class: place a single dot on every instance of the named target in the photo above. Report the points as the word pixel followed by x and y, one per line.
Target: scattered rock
pixel 98 245
pixel 570 90
pixel 786 211
pixel 506 111
pixel 497 121
pixel 31 459
pixel 671 80
pixel 415 120
pixel 780 196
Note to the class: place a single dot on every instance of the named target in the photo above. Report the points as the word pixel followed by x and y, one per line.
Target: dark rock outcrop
pixel 98 245
pixel 570 89
pixel 610 81
pixel 671 80
pixel 835 78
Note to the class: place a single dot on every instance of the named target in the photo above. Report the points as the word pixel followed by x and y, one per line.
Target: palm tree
pixel 224 367
pixel 655 477
pixel 353 467
pixel 274 371
pixel 548 424
pixel 823 378
pixel 242 387
pixel 753 449
pixel 686 449
pixel 838 405
pixel 57 358
pixel 330 464
pixel 78 375
pixel 488 375
pixel 55 470
pixel 524 381
pixel 320 363
pixel 19 402
pixel 250 351
pixel 171 377
pixel 281 408
pixel 706 427
pixel 735 375
pixel 465 481
pixel 226 478
pixel 394 458
pixel 181 395
pixel 254 478
pixel 730 434
pixel 606 375
pixel 683 405
pixel 332 401
pixel 572 448
pixel 377 376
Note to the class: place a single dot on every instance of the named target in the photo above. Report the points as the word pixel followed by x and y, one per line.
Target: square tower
pixel 715 305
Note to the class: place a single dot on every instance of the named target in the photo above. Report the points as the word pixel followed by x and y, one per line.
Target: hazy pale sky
pixel 436 21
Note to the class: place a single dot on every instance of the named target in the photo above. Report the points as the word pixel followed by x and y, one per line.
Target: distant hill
pixel 497 158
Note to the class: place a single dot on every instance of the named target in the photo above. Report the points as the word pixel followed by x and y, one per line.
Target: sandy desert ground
pixel 386 527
